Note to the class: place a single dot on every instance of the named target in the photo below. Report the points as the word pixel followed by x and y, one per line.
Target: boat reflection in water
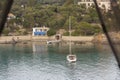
pixel 39 47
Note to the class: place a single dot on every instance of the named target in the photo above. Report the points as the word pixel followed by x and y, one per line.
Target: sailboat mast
pixel 70 34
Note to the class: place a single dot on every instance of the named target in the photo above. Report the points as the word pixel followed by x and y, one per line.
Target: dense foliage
pixel 51 32
pixel 55 15
pixel 2 5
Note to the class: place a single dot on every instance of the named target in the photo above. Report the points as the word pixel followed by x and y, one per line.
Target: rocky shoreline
pixel 24 39
pixel 101 38
pixel 97 39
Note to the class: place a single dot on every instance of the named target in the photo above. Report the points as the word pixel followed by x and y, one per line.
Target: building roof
pixel 11 16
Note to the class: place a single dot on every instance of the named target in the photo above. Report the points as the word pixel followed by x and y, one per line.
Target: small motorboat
pixel 53 41
pixel 49 42
pixel 71 58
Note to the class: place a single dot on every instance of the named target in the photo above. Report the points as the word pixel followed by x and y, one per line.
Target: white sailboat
pixel 71 57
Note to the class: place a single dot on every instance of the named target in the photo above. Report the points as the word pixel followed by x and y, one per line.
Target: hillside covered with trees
pixel 55 15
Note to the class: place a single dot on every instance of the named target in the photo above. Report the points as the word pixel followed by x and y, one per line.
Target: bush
pixel 6 31
pixel 51 32
pixel 66 34
pixel 87 29
pixel 75 33
pixel 25 33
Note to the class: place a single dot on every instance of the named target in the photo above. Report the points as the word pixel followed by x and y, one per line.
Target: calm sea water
pixel 48 62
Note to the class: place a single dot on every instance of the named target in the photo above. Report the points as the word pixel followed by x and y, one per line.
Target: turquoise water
pixel 48 62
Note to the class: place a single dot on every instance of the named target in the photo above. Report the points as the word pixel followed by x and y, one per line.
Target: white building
pixel 101 3
pixel 40 31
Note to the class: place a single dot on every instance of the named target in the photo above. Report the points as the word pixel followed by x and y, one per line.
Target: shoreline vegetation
pixel 25 15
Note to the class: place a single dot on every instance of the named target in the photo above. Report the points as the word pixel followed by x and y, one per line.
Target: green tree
pixel 55 15
pixel 87 29
pixel 51 32
pixel 73 23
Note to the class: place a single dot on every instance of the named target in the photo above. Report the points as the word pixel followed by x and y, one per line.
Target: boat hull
pixel 71 58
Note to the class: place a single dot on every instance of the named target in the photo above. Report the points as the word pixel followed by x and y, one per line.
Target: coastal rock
pixel 101 38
